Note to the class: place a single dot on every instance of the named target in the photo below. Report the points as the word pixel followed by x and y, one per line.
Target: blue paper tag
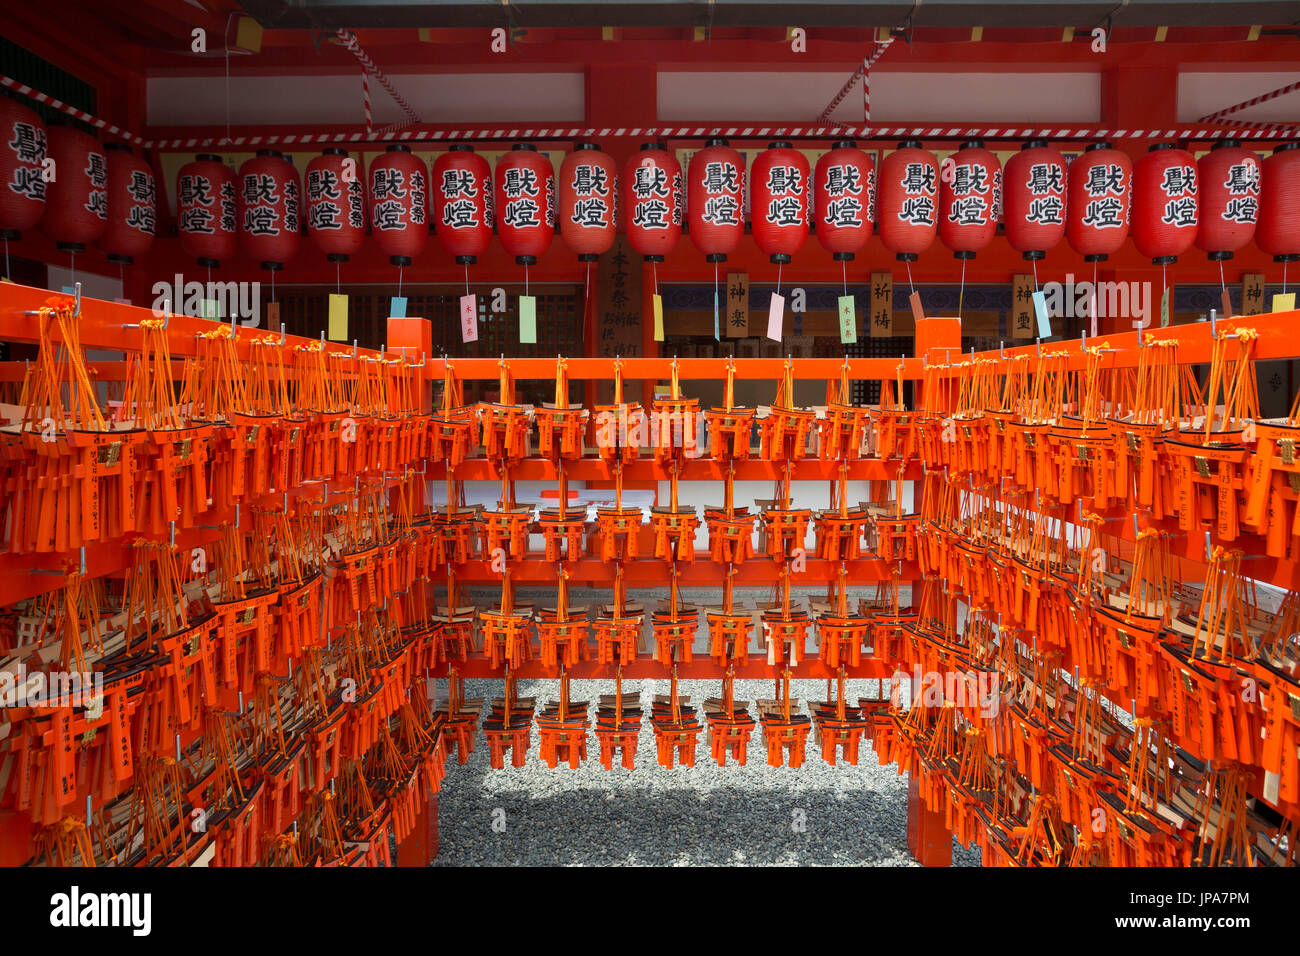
pixel 1040 309
pixel 397 307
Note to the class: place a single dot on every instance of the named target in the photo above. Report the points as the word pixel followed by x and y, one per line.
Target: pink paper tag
pixel 469 318
pixel 775 317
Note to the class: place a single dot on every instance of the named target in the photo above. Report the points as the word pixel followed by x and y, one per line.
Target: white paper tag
pixel 775 317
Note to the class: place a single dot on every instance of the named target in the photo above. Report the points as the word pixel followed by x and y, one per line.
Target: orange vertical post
pixel 928 838
pixel 413 337
pixel 421 847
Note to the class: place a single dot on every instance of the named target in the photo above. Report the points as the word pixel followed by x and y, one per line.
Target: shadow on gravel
pixel 726 826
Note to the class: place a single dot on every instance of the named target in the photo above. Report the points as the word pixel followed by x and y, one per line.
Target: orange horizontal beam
pixel 698 469
pixel 653 572
pixel 646 667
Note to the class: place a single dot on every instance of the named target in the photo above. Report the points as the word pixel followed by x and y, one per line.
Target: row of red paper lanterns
pixel 1168 200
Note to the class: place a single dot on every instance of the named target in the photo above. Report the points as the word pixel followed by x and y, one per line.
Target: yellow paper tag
pixel 1284 302
pixel 1164 309
pixel 338 326
pixel 659 317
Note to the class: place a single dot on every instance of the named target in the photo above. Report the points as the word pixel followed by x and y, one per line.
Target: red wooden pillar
pixel 413 337
pixel 421 847
pixel 928 839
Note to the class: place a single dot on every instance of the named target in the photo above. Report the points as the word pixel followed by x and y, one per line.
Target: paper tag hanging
pixel 1164 309
pixel 848 321
pixel 775 317
pixel 1040 312
pixel 397 307
pixel 272 317
pixel 914 300
pixel 469 318
pixel 528 319
pixel 338 323
pixel 1225 300
pixel 1284 302
pixel 717 330
pixel 658 305
pixel 210 309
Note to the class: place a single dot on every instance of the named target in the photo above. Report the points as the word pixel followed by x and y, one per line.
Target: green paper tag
pixel 848 321
pixel 209 309
pixel 528 319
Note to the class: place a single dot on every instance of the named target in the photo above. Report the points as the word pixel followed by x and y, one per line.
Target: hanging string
pixel 1283 269
pixel 586 287
pixel 908 263
pixel 1222 284
pixel 399 282
pixel 654 270
pixel 338 277
pixel 1164 288
pixel 1093 305
pixel 72 259
pixel 961 289
pixel 525 278
pixel 779 267
pixel 844 275
pixel 272 287
pixel 467 276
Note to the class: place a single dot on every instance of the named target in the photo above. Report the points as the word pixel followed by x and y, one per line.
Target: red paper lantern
pixel 1097 202
pixel 970 199
pixel 399 204
pixel 22 154
pixel 462 203
pixel 653 194
pixel 1278 232
pixel 1165 207
pixel 524 183
pixel 588 201
pixel 132 205
pixel 268 209
pixel 780 201
pixel 76 200
pixel 908 200
pixel 336 204
pixel 1228 178
pixel 1035 199
pixel 715 200
pixel 844 194
pixel 207 210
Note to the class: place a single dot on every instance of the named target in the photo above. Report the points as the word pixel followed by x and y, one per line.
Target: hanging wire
pixel 910 284
pixel 338 277
pixel 961 289
pixel 467 277
pixel 1093 305
pixel 844 275
pixel 779 267
pixel 525 278
pixel 399 282
pixel 1222 284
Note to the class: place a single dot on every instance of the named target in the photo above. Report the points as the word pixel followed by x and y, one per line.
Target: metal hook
pixel 281 333
pixel 1002 351
pixel 1214 325
pixel 75 315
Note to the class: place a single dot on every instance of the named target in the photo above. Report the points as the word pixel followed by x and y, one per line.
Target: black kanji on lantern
pixel 1104 213
pixel 1179 180
pixel 1105 178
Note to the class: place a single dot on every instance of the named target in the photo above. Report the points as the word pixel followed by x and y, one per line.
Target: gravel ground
pixel 688 816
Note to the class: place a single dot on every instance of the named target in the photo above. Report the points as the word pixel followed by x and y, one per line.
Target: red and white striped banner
pixel 1262 98
pixel 365 100
pixel 39 97
pixel 410 131
pixel 349 40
